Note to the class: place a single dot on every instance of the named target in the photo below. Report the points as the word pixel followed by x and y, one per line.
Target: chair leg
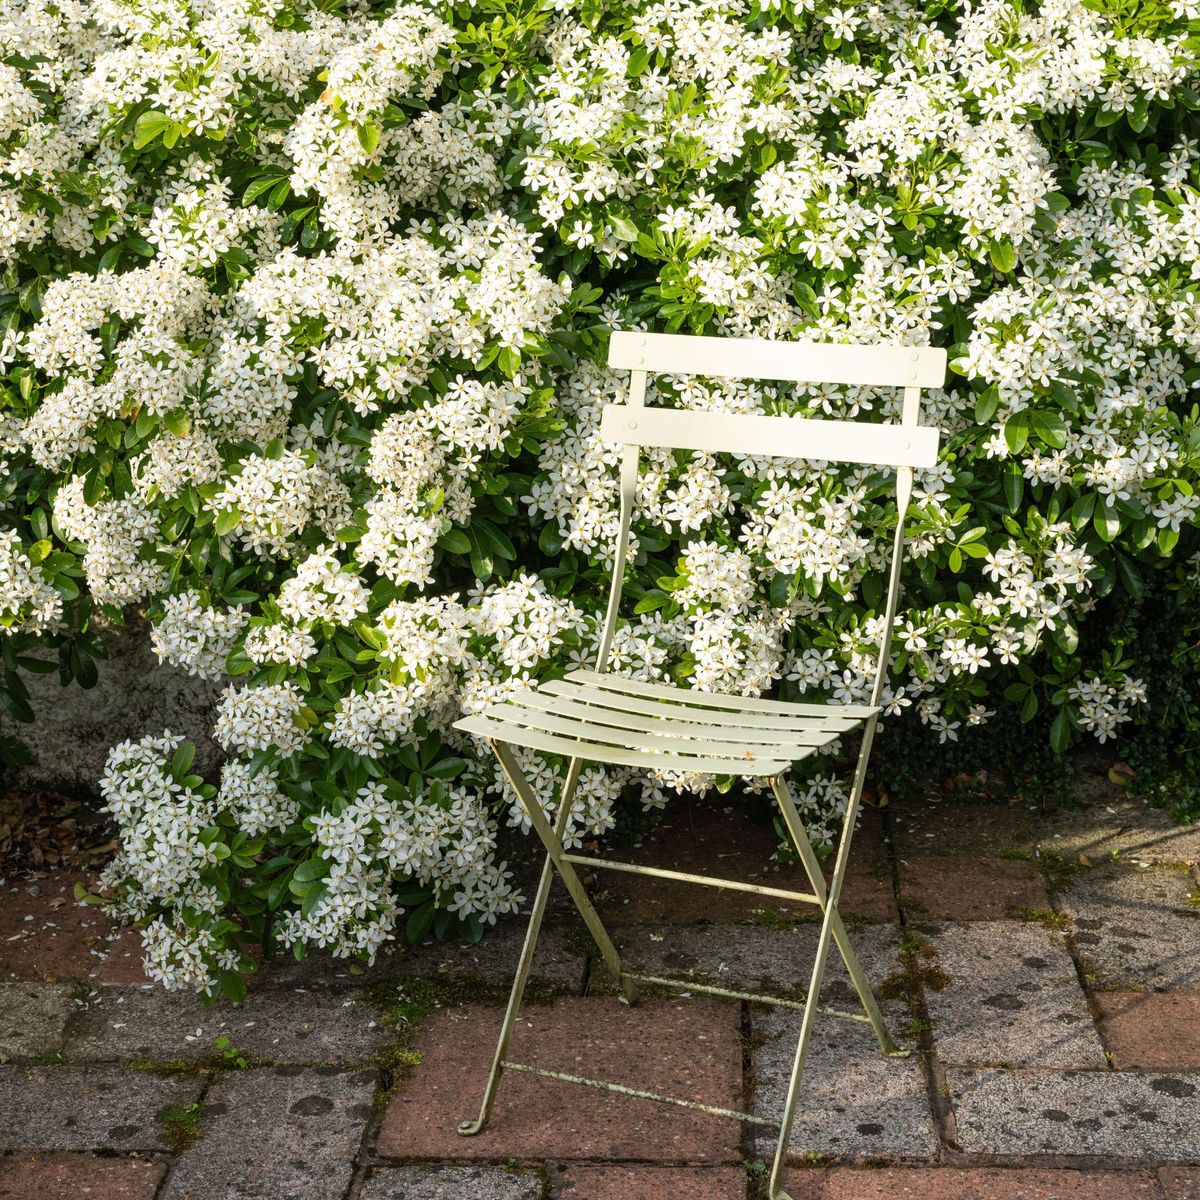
pixel 775 1186
pixel 524 963
pixel 554 849
pixel 812 869
pixel 830 920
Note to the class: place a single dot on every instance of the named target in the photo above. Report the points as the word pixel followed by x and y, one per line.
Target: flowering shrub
pixel 302 347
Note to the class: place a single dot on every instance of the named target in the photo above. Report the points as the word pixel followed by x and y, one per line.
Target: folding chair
pixel 593 716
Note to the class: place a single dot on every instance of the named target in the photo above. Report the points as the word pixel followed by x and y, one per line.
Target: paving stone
pixel 78 1176
pixel 32 1018
pixel 1012 997
pixel 560 957
pixel 738 842
pixel 1153 1116
pixel 1152 1030
pixel 1127 828
pixel 110 1109
pixel 680 1047
pixel 1180 1183
pixel 444 1182
pixel 754 957
pixel 972 828
pixel 948 887
pixel 970 1183
pixel 290 1133
pixel 294 1026
pixel 580 1182
pixel 45 934
pixel 854 1100
pixel 1136 928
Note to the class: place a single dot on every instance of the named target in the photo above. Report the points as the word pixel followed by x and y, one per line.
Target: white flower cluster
pixel 28 604
pixel 340 349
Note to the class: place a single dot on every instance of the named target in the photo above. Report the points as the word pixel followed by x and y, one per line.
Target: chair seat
pixel 610 719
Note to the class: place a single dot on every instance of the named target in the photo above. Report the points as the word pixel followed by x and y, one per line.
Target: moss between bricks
pixel 919 970
pixel 181 1125
pixel 1046 917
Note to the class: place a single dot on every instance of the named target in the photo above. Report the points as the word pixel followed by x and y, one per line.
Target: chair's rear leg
pixel 554 848
pixel 775 1186
pixel 524 963
pixel 812 868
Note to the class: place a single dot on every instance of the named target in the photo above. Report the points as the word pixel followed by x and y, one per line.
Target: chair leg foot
pixel 471 1128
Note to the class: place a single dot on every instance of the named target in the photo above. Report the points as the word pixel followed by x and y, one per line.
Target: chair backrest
pixel 902 446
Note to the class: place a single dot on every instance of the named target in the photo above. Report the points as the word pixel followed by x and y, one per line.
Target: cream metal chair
pixel 592 716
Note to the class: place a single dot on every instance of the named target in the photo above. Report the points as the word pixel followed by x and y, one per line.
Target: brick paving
pixel 1042 967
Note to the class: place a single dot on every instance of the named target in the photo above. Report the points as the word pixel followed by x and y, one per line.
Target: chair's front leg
pixel 812 868
pixel 525 962
pixel 829 920
pixel 554 848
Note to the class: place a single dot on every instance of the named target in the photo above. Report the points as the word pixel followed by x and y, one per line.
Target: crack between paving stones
pixel 173 1160
pixel 1093 1005
pixel 936 1087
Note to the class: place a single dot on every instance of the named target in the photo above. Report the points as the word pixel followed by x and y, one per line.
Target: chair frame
pixel 634 425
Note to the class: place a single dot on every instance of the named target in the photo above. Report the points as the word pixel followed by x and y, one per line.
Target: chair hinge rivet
pixel 631 425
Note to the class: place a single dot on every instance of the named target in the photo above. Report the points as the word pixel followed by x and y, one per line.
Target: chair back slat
pixel 781 437
pixel 757 358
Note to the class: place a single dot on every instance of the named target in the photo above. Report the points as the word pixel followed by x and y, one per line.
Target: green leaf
pixel 1050 427
pixel 624 230
pixel 1014 485
pixel 1107 521
pixel 368 136
pixel 1016 431
pixel 1060 731
pixel 447 768
pixel 455 541
pixel 419 923
pixel 183 759
pixel 150 125
pixel 259 186
pixel 227 520
pixel 1002 254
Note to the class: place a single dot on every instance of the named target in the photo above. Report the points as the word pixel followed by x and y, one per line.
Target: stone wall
pixel 135 695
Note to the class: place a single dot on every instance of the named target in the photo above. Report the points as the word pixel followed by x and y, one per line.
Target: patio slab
pixel 954 887
pixel 1137 928
pixel 1128 829
pixel 733 842
pixel 753 957
pixel 963 827
pixel 1152 1030
pixel 33 1017
pixel 971 1183
pixel 79 1177
pixel 679 1047
pixel 1153 1116
pixel 854 1100
pixel 583 1182
pixel 45 934
pixel 285 1132
pixel 292 1026
pixel 94 1108
pixel 1012 998
pixel 451 1182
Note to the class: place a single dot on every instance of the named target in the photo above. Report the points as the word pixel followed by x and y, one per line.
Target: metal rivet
pixel 641 360
pixel 916 356
pixel 641 341
pixel 907 445
pixel 912 375
pixel 631 425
